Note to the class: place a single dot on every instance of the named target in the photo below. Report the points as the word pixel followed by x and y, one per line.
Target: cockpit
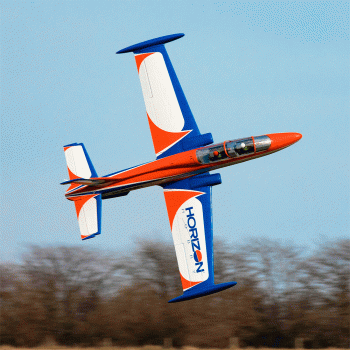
pixel 232 149
pixel 211 154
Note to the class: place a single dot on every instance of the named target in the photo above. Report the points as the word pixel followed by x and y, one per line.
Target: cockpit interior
pixel 232 149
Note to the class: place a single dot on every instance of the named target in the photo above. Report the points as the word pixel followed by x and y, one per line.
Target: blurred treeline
pixel 79 297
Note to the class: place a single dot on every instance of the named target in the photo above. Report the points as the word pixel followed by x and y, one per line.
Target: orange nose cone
pixel 282 140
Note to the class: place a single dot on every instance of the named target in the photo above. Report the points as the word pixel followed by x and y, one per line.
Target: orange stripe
pixel 72 176
pixel 225 149
pixel 174 200
pixel 186 283
pixel 163 139
pixel 254 144
pixel 140 58
pixel 80 201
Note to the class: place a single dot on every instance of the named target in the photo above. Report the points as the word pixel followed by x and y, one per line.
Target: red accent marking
pixel 199 255
pixel 174 200
pixel 140 58
pixel 216 153
pixel 254 144
pixel 163 139
pixel 80 201
pixel 186 283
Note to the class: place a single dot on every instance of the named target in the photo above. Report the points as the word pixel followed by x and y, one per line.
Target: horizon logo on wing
pixel 196 248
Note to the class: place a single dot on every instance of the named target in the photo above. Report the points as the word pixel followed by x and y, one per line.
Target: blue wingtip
pixel 152 42
pixel 88 237
pixel 71 144
pixel 201 292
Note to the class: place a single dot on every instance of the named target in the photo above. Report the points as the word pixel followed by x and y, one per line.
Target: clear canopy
pixel 240 148
pixel 226 150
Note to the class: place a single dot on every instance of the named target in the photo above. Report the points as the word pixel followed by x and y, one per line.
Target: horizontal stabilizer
pixel 201 291
pixel 88 210
pixel 82 181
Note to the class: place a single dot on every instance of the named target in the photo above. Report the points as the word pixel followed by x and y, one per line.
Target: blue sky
pixel 247 68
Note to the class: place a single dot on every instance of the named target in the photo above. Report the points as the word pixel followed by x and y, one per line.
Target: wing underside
pixel 190 218
pixel 186 216
pixel 189 209
pixel 173 127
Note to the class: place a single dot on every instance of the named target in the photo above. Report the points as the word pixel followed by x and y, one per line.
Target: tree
pixel 328 270
pixel 69 283
pixel 21 314
pixel 81 296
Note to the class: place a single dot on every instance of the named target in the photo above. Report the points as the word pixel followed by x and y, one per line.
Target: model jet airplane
pixel 184 159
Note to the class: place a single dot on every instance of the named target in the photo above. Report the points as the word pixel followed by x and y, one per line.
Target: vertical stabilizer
pixel 78 162
pixel 88 207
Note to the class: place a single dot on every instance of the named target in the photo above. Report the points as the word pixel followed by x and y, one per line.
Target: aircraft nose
pixel 281 140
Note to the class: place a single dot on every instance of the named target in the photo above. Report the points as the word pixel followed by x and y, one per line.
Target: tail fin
pixel 89 208
pixel 78 162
